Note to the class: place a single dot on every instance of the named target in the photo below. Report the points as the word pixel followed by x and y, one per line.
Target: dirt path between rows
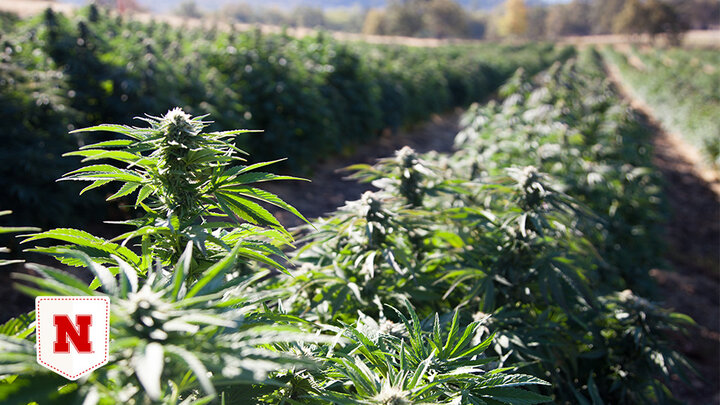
pixel 329 189
pixel 691 283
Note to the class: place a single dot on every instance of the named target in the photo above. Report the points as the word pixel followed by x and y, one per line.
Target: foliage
pixel 418 18
pixel 514 21
pixel 632 19
pixel 412 366
pixel 34 107
pixel 543 220
pixel 529 246
pixel 652 17
pixel 195 314
pixel 171 340
pixel 6 230
pixel 669 18
pixel 573 18
pixel 314 97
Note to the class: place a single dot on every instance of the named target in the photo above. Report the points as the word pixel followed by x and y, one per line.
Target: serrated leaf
pixel 126 189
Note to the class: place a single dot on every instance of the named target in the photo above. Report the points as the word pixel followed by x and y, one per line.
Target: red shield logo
pixel 73 334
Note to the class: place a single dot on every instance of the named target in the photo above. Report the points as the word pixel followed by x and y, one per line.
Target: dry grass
pixel 694 38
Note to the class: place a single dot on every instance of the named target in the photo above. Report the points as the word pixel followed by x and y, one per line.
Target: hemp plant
pixel 190 185
pixel 190 325
pixel 169 344
pixel 186 322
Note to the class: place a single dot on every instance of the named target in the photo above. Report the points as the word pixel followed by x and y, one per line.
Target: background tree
pixel 602 15
pixel 477 25
pixel 698 14
pixel 189 9
pixel 663 18
pixel 374 22
pixel 445 18
pixel 632 19
pixel 239 12
pixel 569 19
pixel 536 17
pixel 419 18
pixel 405 17
pixel 652 17
pixel 514 21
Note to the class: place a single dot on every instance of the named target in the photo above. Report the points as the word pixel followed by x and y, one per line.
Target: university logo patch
pixel 73 334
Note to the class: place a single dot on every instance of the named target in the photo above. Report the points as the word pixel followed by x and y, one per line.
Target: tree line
pixel 516 18
pixel 513 18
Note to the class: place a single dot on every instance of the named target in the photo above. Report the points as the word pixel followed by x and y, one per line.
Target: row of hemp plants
pixel 196 314
pixel 314 97
pixel 542 226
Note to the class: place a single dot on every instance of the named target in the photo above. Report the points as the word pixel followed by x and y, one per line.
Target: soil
pixel 691 282
pixel 330 189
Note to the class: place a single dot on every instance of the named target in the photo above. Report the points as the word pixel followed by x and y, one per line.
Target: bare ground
pixel 329 189
pixel 691 283
pixel 693 38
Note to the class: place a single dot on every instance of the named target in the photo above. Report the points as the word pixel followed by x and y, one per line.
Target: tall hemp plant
pixel 193 317
pixel 191 188
pixel 184 319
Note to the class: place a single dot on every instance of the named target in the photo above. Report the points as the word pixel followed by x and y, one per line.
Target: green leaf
pixel 214 272
pixel 106 144
pixel 107 279
pixel 511 380
pixel 126 189
pixel 148 365
pixel 244 169
pixel 120 129
pixel 479 348
pixel 182 269
pixel 85 239
pixel 39 388
pixel 513 396
pixel 594 392
pixel 195 365
pixel 97 154
pixel 16 229
pixel 245 209
pixel 103 168
pixel 230 180
pixel 264 196
pixel 128 277
pixel 18 326
pixel 63 278
pixel 143 194
pixel 95 184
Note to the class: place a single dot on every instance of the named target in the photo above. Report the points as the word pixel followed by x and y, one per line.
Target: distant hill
pixel 164 6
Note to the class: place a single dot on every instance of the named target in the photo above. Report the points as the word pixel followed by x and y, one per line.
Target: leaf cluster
pixel 544 218
pixel 197 314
